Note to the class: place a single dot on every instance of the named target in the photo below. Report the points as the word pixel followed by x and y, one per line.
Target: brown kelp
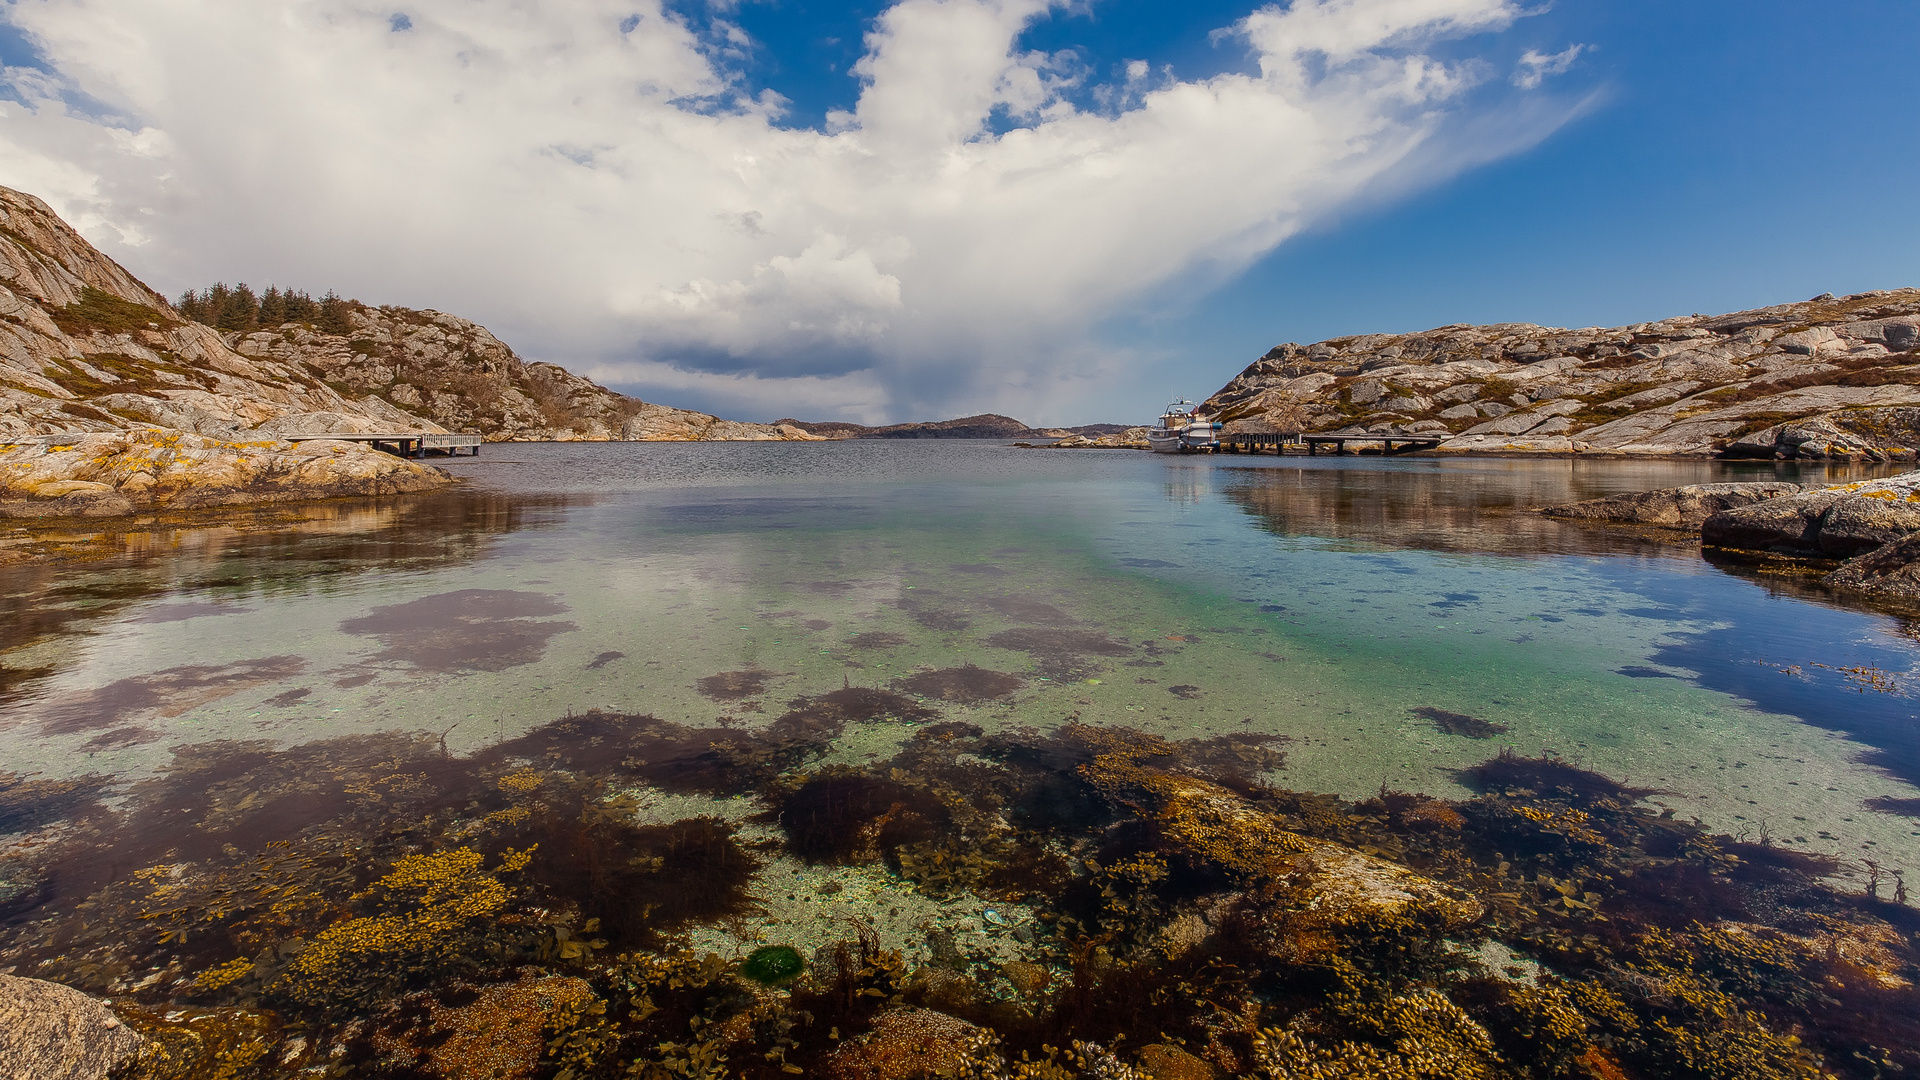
pixel 1104 902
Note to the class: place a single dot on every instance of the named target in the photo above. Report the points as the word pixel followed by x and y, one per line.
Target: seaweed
pixel 381 907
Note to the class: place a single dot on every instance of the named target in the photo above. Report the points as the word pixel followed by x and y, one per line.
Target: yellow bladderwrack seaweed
pixel 427 901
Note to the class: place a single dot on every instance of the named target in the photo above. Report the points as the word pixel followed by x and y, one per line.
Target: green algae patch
pixel 773 965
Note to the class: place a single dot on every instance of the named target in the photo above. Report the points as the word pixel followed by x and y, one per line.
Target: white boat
pixel 1180 430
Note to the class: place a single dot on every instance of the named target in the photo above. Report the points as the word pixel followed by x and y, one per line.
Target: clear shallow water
pixel 1325 601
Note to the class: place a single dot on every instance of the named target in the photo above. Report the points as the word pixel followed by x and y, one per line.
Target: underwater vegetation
pixel 378 907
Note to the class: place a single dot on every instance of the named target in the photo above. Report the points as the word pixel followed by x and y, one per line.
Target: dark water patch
pixel 1453 723
pixel 1551 777
pixel 734 685
pixel 945 621
pixel 1273 607
pixel 1887 804
pixel 1641 671
pixel 966 685
pixel 290 697
pixel 983 569
pixel 1186 692
pixel 675 757
pixel 1027 610
pixel 464 630
pixel 817 624
pixel 168 692
pixel 1060 652
pixel 640 881
pixel 843 816
pixel 1235 759
pixel 120 737
pixel 28 803
pixel 351 681
pixel 603 659
pixel 876 639
pixel 166 613
pixel 830 588
pixel 826 715
pixel 1149 564
pixel 1543 617
pixel 1454 600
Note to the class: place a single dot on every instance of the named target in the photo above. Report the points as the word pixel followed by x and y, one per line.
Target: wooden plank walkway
pixel 1277 442
pixel 406 444
pixel 1408 443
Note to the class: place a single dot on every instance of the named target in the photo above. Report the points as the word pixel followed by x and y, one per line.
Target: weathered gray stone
pixel 54 1032
pixel 1458 412
pixel 1365 392
pixel 1841 521
pixel 1678 508
pixel 1889 571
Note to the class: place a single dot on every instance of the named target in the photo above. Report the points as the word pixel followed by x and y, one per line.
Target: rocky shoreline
pixel 1873 525
pixel 1828 378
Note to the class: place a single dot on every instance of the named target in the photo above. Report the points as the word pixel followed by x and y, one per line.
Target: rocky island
pixel 1831 377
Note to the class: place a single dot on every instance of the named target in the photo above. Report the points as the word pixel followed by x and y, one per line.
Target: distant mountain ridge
pixel 982 426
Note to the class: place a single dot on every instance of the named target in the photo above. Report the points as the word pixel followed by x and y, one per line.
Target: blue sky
pixel 643 211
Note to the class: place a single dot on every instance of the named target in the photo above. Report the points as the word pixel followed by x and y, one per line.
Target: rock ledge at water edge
pixel 106 474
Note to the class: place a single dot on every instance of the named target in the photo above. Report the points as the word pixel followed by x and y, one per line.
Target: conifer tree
pixel 273 307
pixel 301 308
pixel 333 314
pixel 241 311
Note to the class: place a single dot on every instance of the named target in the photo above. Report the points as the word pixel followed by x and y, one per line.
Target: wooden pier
pixel 406 444
pixel 1247 442
pixel 1408 443
pixel 1257 442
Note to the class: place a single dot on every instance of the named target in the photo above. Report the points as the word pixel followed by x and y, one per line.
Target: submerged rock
pixel 54 1032
pixel 1677 508
pixel 1840 521
pixel 107 474
pixel 905 1043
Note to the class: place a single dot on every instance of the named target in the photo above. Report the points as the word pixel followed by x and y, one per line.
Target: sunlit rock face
pixel 110 473
pixel 1825 378
pixel 86 347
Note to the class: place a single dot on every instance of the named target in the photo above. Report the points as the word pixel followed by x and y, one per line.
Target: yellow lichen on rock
pixel 124 472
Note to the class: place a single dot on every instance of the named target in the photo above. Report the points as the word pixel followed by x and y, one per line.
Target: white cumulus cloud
pixel 593 181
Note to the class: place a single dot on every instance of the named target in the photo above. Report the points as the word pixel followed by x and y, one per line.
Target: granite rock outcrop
pixel 1824 378
pixel 54 1032
pixel 86 347
pixel 1672 508
pixel 111 473
pixel 1841 521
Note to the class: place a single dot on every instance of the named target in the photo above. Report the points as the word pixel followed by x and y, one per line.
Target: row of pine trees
pixel 238 308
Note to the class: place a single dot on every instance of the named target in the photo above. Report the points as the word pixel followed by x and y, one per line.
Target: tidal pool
pixel 1328 601
pixel 784 678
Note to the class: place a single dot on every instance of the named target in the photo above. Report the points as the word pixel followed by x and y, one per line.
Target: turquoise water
pixel 1350 605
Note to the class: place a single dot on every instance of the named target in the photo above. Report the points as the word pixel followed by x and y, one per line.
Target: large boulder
pixel 104 474
pixel 1674 508
pixel 54 1032
pixel 1838 522
pixel 1889 571
pixel 1888 434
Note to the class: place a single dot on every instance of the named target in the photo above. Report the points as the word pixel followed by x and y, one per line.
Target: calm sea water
pixel 1351 605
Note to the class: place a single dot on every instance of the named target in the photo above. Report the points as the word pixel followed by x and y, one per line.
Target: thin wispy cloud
pixel 1535 67
pixel 593 181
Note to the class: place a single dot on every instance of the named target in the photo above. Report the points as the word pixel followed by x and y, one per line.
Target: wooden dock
pixel 406 444
pixel 1245 442
pixel 1408 443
